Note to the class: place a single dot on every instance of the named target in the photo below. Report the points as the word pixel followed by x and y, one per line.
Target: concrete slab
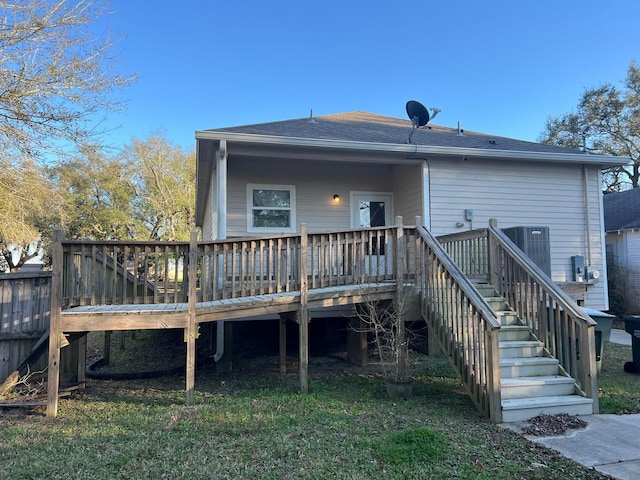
pixel 620 336
pixel 608 444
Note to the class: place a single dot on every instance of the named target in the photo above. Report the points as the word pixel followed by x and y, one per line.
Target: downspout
pixel 587 210
pixel 221 190
pixel 603 245
pixel 426 196
pixel 219 340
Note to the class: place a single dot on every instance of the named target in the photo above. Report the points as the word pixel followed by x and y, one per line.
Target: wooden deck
pixel 91 318
pixel 107 286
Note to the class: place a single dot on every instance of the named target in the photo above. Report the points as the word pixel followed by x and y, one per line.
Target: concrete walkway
pixel 609 443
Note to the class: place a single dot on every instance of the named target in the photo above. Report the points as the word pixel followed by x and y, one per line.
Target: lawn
pixel 254 424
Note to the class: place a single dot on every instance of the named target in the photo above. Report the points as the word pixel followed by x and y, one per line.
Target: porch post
pixel 53 377
pixel 221 169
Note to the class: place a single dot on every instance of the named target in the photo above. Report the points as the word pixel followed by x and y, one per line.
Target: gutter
pixel 248 138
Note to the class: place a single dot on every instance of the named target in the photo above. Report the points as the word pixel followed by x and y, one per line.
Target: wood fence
pixel 25 303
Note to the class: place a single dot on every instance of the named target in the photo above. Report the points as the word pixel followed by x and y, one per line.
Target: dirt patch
pixel 550 425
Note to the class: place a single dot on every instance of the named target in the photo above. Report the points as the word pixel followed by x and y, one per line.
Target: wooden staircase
pixel 532 381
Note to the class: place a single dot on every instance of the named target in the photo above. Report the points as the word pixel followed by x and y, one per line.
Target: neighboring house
pixel 622 237
pixel 359 170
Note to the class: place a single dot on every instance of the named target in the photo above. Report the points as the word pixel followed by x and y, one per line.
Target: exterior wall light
pixel 336 198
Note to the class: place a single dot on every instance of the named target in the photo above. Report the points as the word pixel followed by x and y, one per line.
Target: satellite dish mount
pixel 418 115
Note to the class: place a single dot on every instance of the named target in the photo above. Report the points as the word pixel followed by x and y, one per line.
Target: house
pixel 622 239
pixel 306 216
pixel 362 170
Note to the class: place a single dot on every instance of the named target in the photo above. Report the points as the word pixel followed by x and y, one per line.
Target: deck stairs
pixel 532 381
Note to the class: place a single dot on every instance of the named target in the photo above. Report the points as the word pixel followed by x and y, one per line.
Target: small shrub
pixel 411 446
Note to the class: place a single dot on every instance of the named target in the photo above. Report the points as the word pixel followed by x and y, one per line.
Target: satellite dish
pixel 417 113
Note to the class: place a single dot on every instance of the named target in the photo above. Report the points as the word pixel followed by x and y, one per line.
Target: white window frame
pixel 292 208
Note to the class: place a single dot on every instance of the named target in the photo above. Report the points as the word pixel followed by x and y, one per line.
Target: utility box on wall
pixel 534 242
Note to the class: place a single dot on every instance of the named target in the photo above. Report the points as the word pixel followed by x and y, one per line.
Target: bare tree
pixel 57 75
pixel 58 80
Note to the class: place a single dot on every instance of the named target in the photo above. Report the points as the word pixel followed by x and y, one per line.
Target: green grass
pixel 619 392
pixel 254 424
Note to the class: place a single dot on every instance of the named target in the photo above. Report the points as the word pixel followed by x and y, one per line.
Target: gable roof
pixel 622 210
pixel 368 127
pixel 386 133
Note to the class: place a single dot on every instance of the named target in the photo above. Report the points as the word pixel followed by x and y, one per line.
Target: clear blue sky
pixel 497 66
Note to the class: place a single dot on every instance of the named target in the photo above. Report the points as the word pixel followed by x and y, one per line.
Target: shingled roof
pixel 368 127
pixel 622 210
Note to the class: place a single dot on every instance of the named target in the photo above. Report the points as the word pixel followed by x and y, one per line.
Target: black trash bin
pixel 632 327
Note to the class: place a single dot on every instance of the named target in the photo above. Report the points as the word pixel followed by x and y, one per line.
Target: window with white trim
pixel 271 208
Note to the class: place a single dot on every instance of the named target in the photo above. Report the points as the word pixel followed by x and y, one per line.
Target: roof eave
pixel 604 160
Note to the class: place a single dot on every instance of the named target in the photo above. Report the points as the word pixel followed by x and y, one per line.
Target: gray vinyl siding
pixel 316 183
pixel 407 188
pixel 523 194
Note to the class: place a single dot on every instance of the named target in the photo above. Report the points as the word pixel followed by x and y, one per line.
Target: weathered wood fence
pixel 25 304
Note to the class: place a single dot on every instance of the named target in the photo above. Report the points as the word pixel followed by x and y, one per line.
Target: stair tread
pixel 520 343
pixel 527 361
pixel 533 402
pixel 543 379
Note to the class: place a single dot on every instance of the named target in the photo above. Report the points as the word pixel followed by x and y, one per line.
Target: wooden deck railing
pixel 567 332
pixel 469 250
pixel 123 273
pixel 465 326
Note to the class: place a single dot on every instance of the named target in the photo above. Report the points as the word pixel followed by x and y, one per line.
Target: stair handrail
pixel 475 358
pixel 465 284
pixel 535 271
pixel 560 308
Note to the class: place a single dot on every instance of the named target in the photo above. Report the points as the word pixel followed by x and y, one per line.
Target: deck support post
pixel 303 312
pixel 283 342
pixel 53 376
pixel 191 317
pixel 106 355
pixel 357 342
pixel 82 361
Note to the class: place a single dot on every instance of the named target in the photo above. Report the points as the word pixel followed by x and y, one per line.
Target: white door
pixel 373 210
pixel 370 210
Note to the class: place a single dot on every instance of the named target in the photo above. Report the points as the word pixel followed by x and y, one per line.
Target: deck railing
pixel 119 273
pixel 465 326
pixel 566 331
pixel 469 250
pixel 104 273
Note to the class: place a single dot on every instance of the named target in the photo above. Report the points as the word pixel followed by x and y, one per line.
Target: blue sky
pixel 499 67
